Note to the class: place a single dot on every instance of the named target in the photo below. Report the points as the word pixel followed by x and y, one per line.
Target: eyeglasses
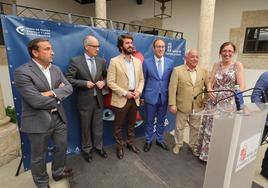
pixel 94 46
pixel 159 46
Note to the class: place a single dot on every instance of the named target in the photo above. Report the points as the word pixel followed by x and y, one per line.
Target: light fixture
pixel 162 8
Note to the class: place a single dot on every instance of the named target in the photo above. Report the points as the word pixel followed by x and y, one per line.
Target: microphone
pixel 237 101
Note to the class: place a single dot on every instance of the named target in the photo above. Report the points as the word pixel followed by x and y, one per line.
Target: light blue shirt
pixel 131 74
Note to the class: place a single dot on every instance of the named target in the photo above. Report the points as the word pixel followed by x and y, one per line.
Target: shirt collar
pixel 190 70
pixel 88 57
pixel 125 58
pixel 40 66
pixel 157 59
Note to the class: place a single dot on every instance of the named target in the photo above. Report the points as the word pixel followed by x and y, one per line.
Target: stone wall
pixel 237 35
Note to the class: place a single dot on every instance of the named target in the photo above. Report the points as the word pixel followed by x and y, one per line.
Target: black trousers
pixel 265 159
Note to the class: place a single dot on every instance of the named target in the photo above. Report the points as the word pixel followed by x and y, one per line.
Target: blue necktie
pixel 159 68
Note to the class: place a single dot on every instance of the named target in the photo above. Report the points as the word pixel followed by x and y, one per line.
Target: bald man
pixel 87 73
pixel 186 82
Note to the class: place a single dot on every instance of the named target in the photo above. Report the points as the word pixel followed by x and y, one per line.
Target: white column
pixel 100 12
pixel 206 31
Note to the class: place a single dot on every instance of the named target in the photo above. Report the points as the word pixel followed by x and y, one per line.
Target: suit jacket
pixel 36 109
pixel 117 80
pixel 182 90
pixel 78 74
pixel 153 83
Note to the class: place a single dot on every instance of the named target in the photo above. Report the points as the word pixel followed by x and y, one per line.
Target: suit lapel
pixel 123 65
pixel 36 70
pixel 187 74
pixel 154 68
pixel 85 66
pixel 98 68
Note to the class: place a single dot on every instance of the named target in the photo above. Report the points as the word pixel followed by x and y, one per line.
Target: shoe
pixel 119 153
pixel 87 156
pixel 264 174
pixel 163 145
pixel 101 153
pixel 147 147
pixel 64 174
pixel 176 149
pixel 133 148
pixel 68 170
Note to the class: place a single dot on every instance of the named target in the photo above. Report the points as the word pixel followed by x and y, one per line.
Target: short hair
pixel 33 45
pixel 226 44
pixel 157 40
pixel 120 40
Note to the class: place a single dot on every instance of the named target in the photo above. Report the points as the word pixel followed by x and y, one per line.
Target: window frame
pixel 246 40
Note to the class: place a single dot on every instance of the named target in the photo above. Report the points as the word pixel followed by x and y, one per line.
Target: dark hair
pixel 33 45
pixel 120 41
pixel 226 44
pixel 157 40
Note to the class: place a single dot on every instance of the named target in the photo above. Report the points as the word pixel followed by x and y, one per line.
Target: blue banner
pixel 67 41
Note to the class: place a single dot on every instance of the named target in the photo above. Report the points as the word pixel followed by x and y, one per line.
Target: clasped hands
pixel 99 84
pixel 133 94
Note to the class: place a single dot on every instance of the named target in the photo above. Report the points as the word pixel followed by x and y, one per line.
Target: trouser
pixel 194 124
pixel 127 112
pixel 91 127
pixel 39 146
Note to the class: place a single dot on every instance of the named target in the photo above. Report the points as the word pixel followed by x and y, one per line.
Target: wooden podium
pixel 234 146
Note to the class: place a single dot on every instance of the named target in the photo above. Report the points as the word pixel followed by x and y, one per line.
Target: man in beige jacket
pixel 125 79
pixel 187 81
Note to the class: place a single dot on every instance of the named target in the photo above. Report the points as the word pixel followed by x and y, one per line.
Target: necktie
pixel 93 68
pixel 159 68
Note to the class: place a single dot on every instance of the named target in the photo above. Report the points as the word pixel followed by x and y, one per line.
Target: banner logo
pixel 37 32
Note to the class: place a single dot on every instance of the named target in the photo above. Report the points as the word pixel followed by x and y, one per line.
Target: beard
pixel 127 51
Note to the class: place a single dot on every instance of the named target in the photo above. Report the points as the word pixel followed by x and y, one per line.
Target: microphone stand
pixel 237 102
pixel 263 95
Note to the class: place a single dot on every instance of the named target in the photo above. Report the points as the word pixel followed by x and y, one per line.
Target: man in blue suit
pixel 157 71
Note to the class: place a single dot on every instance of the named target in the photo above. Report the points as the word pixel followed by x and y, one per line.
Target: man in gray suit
pixel 87 73
pixel 43 88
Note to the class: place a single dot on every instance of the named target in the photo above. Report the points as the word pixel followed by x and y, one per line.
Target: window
pixel 256 40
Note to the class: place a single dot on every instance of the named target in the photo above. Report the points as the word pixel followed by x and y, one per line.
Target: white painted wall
pixel 185 18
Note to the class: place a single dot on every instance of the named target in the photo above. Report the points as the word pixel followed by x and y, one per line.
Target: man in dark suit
pixel 157 71
pixel 43 88
pixel 87 73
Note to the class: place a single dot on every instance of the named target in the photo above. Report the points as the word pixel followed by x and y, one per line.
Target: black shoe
pixel 133 148
pixel 147 147
pixel 264 174
pixel 119 153
pixel 64 174
pixel 162 145
pixel 87 156
pixel 101 153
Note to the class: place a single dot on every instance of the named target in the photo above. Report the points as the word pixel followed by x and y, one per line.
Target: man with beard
pixel 125 79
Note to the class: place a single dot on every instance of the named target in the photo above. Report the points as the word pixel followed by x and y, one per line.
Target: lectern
pixel 235 140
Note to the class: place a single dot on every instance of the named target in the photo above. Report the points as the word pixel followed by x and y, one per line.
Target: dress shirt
pixel 45 71
pixel 131 74
pixel 192 74
pixel 262 83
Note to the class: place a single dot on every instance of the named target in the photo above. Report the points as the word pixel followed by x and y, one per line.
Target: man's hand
pixel 61 85
pixel 48 94
pixel 90 84
pixel 173 109
pixel 100 84
pixel 142 101
pixel 136 94
pixel 130 95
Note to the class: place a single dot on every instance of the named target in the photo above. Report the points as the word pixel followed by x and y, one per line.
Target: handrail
pixel 24 11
